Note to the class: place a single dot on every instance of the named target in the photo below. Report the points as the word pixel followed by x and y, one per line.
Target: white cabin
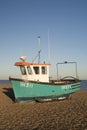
pixel 33 71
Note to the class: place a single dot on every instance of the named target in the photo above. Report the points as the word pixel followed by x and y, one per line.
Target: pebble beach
pixel 69 114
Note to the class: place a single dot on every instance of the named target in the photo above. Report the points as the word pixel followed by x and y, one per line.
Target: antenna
pixel 39 49
pixel 48 47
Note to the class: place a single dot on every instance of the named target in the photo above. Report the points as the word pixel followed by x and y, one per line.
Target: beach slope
pixel 70 114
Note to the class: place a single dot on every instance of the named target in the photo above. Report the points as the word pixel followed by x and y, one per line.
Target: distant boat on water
pixel 35 84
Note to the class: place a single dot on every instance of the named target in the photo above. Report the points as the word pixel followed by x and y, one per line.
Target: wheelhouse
pixel 33 71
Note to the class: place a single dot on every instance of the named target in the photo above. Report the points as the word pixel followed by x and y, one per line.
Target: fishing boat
pixel 35 83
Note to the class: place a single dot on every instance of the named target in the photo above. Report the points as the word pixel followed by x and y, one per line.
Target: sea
pixel 83 83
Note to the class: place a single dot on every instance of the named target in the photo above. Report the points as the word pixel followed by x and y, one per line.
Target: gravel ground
pixel 70 114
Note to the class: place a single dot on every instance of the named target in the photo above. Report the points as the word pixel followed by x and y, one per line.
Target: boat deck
pixel 51 82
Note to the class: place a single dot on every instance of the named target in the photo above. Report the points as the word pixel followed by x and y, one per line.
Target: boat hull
pixel 35 91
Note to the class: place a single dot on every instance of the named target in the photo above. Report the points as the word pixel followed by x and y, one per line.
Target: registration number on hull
pixel 27 85
pixel 66 87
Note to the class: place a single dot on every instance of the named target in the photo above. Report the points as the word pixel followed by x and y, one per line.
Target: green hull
pixel 29 91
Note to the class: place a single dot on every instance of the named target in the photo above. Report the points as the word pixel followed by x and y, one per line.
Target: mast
pixel 39 49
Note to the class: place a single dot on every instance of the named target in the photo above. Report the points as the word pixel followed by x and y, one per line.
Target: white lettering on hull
pixel 66 87
pixel 27 85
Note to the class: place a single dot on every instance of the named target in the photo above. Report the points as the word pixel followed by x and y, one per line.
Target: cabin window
pixel 36 70
pixel 23 70
pixel 44 70
pixel 29 70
